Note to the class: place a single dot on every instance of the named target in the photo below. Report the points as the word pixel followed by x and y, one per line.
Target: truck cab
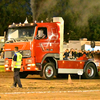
pixel 38 43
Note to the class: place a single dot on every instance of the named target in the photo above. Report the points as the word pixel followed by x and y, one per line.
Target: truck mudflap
pixel 96 60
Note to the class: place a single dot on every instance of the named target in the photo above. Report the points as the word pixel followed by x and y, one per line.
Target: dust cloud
pixel 84 9
pixel 81 9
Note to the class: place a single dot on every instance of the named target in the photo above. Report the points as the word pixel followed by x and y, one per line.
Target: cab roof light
pixel 16 24
pixel 41 21
pixel 20 24
pixel 13 23
pixel 9 25
pixel 31 23
pixel 23 24
pixel 35 21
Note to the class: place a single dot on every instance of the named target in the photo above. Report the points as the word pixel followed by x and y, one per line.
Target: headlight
pixel 26 53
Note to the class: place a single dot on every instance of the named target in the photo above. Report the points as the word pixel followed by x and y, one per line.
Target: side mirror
pixel 4 36
pixel 36 37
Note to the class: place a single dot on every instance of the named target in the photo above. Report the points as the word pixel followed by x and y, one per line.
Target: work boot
pixel 13 86
pixel 21 87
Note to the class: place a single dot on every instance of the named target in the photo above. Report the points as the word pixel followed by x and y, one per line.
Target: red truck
pixel 41 45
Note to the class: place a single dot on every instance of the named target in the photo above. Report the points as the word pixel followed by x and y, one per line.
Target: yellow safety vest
pixel 19 59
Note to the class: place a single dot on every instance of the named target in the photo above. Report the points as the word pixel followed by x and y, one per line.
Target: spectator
pixel 97 51
pixel 66 54
pixel 71 53
pixel 80 53
pixel 92 54
pixel 88 53
pixel 74 54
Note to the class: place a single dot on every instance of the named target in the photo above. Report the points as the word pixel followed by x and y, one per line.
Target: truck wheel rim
pixel 90 71
pixel 49 71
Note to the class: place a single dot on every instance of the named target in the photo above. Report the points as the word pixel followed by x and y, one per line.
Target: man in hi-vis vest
pixel 16 65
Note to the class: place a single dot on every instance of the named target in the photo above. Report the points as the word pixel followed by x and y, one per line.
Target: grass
pixel 2 69
pixel 1 66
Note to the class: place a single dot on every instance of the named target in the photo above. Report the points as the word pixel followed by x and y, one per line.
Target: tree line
pixel 81 17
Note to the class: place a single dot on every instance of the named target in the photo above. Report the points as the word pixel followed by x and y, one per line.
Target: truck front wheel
pixel 90 71
pixel 48 71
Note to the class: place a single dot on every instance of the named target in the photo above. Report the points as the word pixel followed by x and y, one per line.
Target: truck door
pixel 41 44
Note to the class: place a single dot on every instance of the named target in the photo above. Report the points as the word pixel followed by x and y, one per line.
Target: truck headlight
pixel 26 53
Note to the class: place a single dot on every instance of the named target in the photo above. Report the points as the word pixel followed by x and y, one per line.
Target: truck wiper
pixel 13 39
pixel 25 39
pixel 22 39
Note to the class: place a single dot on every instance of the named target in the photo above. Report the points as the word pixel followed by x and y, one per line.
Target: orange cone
pixel 69 79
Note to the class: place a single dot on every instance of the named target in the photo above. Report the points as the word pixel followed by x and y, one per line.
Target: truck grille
pixel 9 54
pixel 25 54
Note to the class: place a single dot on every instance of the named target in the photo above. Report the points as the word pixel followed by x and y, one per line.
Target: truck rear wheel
pixel 48 71
pixel 90 71
pixel 23 74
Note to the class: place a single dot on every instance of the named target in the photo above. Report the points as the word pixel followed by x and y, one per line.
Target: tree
pixel 13 11
pixel 94 27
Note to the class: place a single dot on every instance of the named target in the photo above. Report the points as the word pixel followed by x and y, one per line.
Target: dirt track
pixel 35 88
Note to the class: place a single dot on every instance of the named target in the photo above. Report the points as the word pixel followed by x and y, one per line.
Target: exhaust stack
pixel 60 19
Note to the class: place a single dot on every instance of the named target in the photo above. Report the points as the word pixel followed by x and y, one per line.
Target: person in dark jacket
pixel 74 54
pixel 80 53
pixel 66 55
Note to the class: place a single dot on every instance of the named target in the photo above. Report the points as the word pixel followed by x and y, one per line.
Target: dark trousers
pixel 17 77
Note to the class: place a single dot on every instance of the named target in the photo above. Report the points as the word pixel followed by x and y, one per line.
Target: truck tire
pixel 90 71
pixel 48 71
pixel 41 72
pixel 23 74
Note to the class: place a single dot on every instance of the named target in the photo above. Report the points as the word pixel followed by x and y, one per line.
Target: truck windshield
pixel 20 34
